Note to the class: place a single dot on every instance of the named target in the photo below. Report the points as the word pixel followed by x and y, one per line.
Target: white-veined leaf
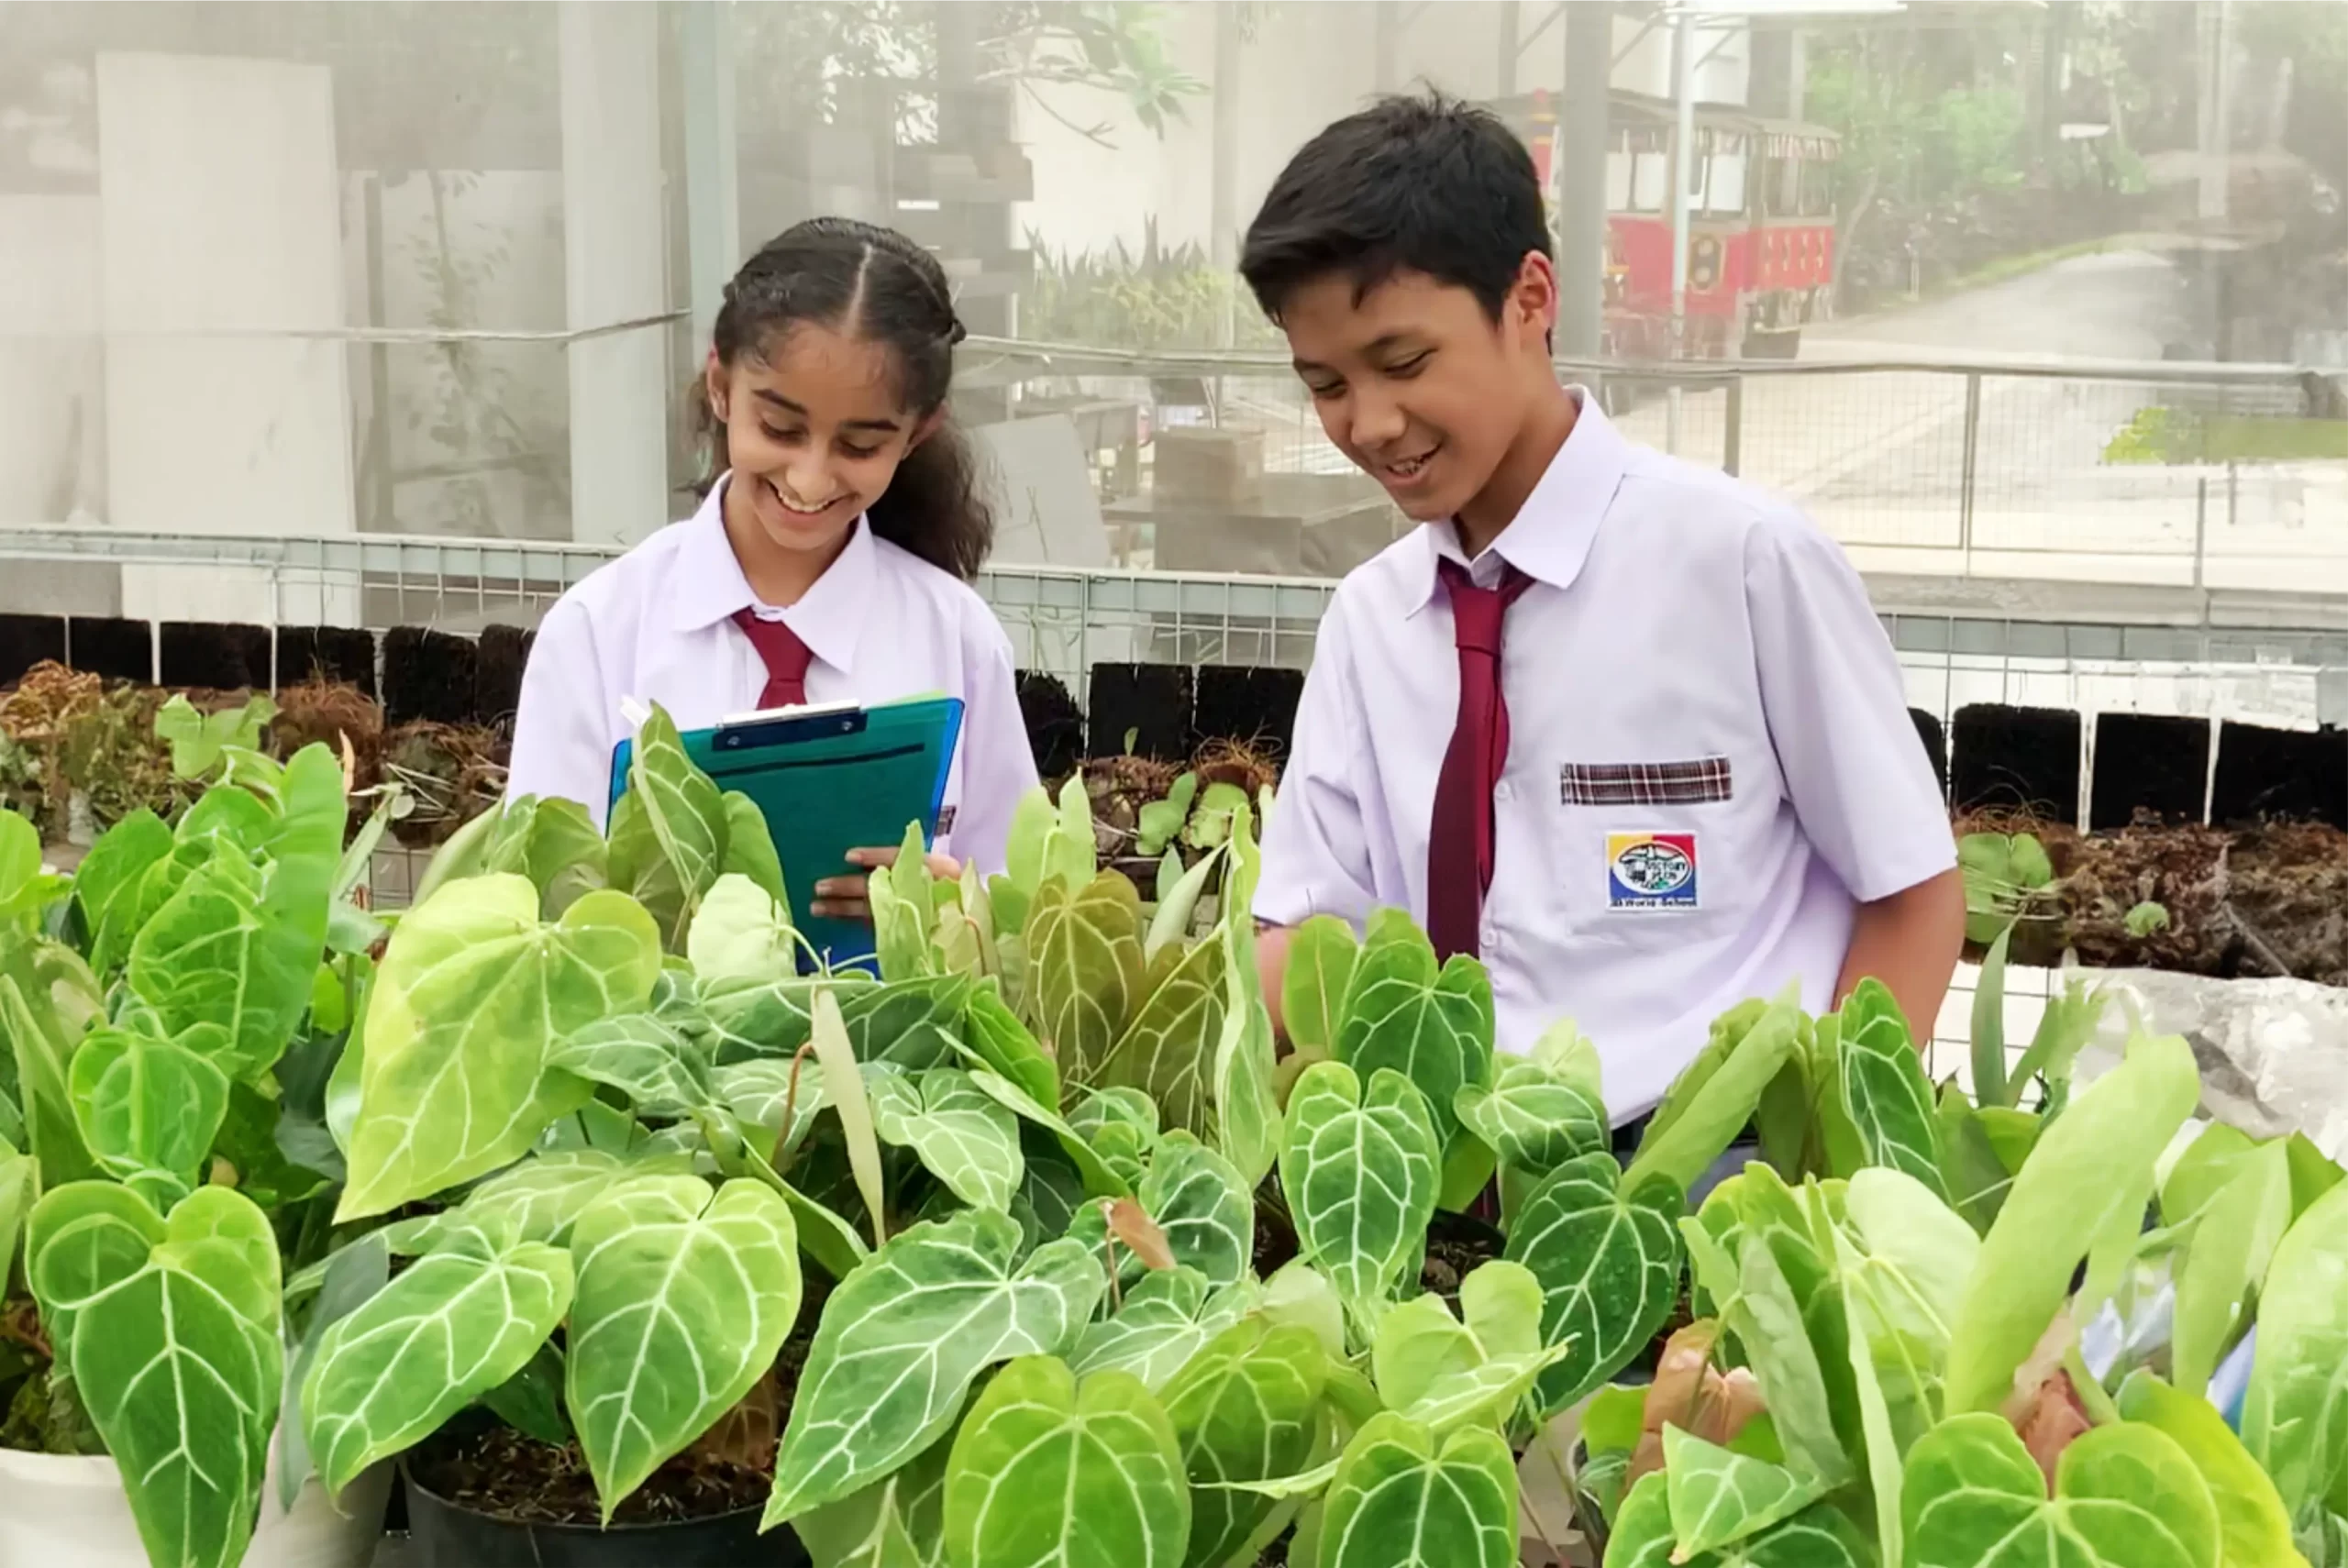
pixel 965 1138
pixel 1884 1089
pixel 906 1335
pixel 1609 1265
pixel 1167 1318
pixel 1085 970
pixel 1431 1024
pixel 176 1352
pixel 1398 1500
pixel 1360 1171
pixel 685 1297
pixel 472 995
pixel 1048 1473
pixel 1248 1407
pixel 461 1321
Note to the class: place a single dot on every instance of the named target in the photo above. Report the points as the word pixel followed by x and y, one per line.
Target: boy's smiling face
pixel 1416 384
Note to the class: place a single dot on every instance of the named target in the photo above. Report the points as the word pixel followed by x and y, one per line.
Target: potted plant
pixel 1887 1370
pixel 1136 1390
pixel 171 1014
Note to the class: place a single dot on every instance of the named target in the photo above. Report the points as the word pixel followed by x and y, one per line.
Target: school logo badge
pixel 1651 870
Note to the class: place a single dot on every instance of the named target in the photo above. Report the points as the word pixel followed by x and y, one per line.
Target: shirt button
pixel 1491 938
pixel 1502 792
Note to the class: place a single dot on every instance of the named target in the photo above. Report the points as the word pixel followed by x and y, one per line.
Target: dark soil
pixel 2266 901
pixel 1275 1240
pixel 490 1468
pixel 2288 884
pixel 1119 787
pixel 2183 870
pixel 500 1473
pixel 1457 1246
pixel 1275 1554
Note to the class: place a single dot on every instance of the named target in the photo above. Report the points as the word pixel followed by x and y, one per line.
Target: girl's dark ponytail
pixel 877 284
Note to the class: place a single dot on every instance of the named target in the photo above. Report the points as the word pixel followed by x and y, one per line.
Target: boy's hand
pixel 844 898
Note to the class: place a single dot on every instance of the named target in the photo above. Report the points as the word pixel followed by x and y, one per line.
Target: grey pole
pixel 1579 152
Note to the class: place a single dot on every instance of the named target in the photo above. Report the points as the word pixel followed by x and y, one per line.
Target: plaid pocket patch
pixel 1699 782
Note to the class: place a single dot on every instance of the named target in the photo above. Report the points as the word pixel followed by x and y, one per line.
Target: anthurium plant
pixel 1020 1243
pixel 172 1015
pixel 1888 1364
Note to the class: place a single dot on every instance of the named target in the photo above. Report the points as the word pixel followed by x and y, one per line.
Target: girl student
pixel 831 558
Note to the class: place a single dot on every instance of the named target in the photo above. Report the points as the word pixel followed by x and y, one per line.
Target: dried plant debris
pixel 450 774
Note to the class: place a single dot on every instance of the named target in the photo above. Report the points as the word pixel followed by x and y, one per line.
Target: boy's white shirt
pixel 656 626
pixel 1678 617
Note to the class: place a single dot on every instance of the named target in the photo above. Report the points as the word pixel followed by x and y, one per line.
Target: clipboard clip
pixel 777 726
pixel 774 715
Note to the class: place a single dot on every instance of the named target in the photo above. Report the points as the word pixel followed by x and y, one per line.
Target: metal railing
pixel 1999 467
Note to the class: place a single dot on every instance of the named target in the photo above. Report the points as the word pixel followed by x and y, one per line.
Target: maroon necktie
pixel 786 659
pixel 1459 836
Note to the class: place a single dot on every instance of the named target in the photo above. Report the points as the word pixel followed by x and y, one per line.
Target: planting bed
pixel 764 1266
pixel 2264 901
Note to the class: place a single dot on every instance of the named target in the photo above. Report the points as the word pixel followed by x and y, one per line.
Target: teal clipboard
pixel 829 780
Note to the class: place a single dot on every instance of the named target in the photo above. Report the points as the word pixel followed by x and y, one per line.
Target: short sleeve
pixel 1316 855
pixel 998 763
pixel 562 740
pixel 1854 766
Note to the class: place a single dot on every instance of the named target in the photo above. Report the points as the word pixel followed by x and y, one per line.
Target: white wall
pixel 218 218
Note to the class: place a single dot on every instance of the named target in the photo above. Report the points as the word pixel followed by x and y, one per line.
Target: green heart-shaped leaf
pixel 1817 1537
pixel 1248 1407
pixel 963 1135
pixel 1533 1120
pixel 1161 1051
pixel 150 1109
pixel 1320 958
pixel 1085 970
pixel 1719 1498
pixel 1432 1024
pixel 1398 1501
pixel 684 1298
pixel 1609 1265
pixel 463 1320
pixel 473 994
pixel 2295 1412
pixel 1360 1172
pixel 646 1057
pixel 1441 1372
pixel 175 1348
pixel 906 1335
pixel 1167 1318
pixel 2125 1496
pixel 1884 1089
pixel 237 944
pixel 1048 1473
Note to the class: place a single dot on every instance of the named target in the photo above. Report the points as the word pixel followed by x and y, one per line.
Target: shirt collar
pixel 709 586
pixel 1551 535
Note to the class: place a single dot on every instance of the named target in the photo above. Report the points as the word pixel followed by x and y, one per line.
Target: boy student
pixel 1624 728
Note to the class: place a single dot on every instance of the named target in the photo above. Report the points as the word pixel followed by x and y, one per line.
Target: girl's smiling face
pixel 815 429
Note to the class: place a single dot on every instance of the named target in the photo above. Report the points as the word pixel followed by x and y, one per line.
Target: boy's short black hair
pixel 1420 183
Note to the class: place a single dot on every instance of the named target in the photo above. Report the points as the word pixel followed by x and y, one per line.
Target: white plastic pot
pixel 61 1510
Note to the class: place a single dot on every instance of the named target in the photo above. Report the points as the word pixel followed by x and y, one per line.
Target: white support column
pixel 614 269
pixel 712 188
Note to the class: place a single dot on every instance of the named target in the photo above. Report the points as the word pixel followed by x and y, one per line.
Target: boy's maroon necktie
pixel 786 659
pixel 1459 837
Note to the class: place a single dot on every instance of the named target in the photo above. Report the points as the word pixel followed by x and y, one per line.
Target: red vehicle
pixel 1761 235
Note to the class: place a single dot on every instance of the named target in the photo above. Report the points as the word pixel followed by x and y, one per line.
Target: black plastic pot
pixel 448 1535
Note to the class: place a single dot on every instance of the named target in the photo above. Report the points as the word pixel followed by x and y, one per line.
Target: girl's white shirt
pixel 657 625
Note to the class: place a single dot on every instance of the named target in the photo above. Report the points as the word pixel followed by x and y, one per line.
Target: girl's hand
pixel 844 898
